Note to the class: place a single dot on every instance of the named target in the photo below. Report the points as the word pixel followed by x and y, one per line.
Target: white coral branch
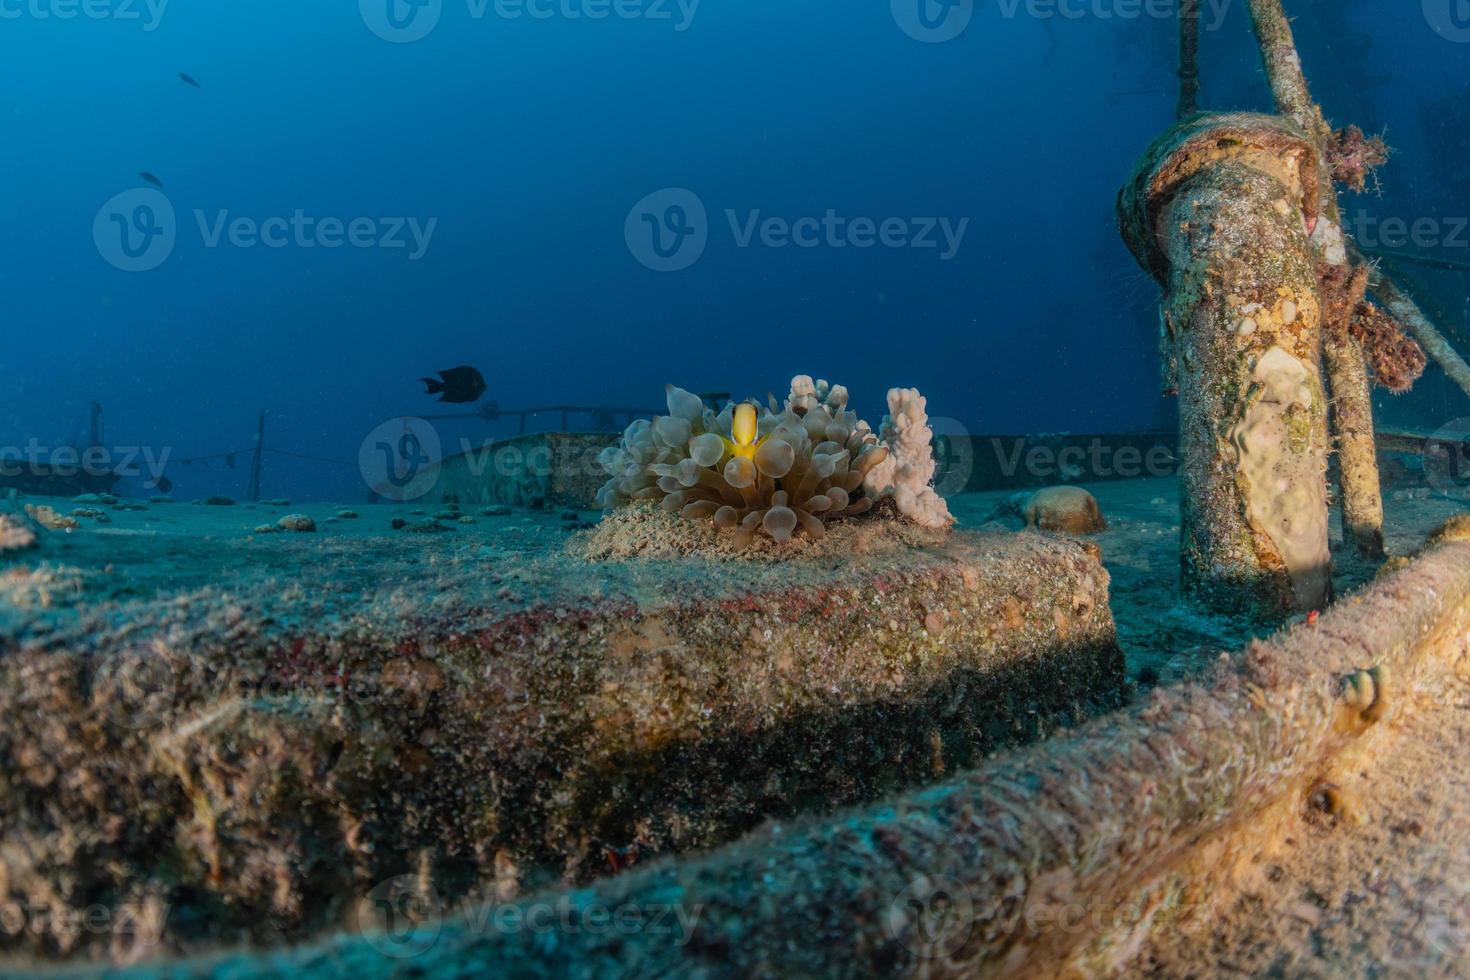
pixel 908 472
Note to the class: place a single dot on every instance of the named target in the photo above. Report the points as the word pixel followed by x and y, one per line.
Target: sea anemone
pixel 750 468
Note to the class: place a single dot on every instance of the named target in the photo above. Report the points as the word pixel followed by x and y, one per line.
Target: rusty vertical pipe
pixel 1218 211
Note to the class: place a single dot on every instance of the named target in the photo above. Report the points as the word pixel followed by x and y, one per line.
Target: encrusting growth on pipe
pixel 1218 211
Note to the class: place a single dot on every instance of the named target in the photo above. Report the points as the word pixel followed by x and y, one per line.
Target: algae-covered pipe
pixel 1347 374
pixel 1218 211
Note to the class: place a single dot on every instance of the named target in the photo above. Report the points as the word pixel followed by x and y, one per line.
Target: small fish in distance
pixel 150 178
pixel 189 79
pixel 457 385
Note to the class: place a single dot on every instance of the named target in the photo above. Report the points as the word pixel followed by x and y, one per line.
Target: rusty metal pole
pixel 256 461
pixel 1347 372
pixel 1217 211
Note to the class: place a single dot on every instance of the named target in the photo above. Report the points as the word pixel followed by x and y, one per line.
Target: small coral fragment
pixel 908 470
pixel 15 534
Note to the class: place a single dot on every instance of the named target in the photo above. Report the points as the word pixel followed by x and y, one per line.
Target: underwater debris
pixel 1457 528
pixel 1353 157
pixel 219 501
pixel 16 534
pixel 299 523
pixel 1069 509
pixel 749 468
pixel 48 518
pixel 1395 358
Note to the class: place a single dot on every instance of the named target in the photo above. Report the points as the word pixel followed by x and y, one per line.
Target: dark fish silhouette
pixel 457 385
pixel 150 178
pixel 189 79
pixel 163 484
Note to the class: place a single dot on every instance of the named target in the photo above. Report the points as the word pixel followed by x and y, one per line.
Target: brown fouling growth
pixel 1396 359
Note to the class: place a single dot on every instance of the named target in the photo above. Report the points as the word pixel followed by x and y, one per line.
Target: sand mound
pixel 648 532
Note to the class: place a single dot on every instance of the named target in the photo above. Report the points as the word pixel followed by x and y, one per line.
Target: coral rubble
pixel 777 470
pixel 15 534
